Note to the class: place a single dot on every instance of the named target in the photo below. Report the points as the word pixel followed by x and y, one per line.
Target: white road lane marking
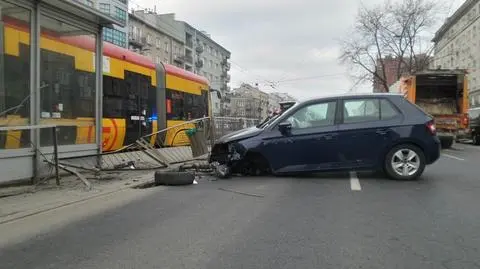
pixel 354 182
pixel 453 157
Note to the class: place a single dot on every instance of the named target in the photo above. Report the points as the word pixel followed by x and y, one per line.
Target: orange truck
pixel 444 95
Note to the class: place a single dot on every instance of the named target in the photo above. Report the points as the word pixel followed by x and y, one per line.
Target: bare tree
pixel 390 32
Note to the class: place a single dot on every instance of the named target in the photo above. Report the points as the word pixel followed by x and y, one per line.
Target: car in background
pixel 474 125
pixel 378 131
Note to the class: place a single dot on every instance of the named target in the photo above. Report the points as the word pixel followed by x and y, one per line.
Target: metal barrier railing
pixel 168 146
pixel 225 125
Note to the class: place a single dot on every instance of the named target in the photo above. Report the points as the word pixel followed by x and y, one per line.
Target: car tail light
pixel 465 119
pixel 431 127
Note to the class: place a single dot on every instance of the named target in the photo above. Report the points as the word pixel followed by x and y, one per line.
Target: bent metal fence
pixel 225 125
pixel 184 142
pixel 46 150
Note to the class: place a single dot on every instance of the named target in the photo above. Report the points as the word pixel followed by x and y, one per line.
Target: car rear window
pixel 387 110
pixel 368 109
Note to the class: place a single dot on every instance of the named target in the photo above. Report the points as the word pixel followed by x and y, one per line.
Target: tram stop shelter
pixel 50 76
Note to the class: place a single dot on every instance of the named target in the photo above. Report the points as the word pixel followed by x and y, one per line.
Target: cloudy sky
pixel 294 43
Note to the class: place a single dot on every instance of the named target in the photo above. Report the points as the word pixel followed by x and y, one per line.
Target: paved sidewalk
pixel 48 196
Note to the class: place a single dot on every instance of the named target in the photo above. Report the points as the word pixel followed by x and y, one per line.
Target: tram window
pixel 176 105
pixel 113 107
pixel 185 106
pixel 57 75
pixel 85 107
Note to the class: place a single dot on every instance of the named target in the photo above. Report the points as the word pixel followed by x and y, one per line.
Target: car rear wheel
pixel 476 139
pixel 405 162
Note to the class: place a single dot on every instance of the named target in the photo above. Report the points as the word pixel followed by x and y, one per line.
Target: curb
pixel 28 213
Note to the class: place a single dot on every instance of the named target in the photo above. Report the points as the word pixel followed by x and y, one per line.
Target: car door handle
pixel 329 136
pixel 382 131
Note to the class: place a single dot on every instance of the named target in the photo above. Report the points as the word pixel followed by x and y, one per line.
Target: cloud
pixel 276 40
pixel 328 54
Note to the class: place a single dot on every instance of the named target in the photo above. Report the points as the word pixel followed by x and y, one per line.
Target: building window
pixel 159 43
pixel 114 36
pixel 216 65
pixel 159 59
pixel 89 3
pixel 69 91
pixel 15 79
pixel 104 8
pixel 149 39
pixel 166 47
pixel 120 14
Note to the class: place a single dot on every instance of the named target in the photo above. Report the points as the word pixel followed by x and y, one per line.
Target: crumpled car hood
pixel 240 134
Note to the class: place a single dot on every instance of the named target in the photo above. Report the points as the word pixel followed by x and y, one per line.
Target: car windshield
pixel 283 107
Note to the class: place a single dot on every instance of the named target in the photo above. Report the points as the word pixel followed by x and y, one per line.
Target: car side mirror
pixel 285 128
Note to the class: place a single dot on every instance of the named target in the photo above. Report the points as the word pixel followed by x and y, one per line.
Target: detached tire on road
pixel 171 178
pixel 405 162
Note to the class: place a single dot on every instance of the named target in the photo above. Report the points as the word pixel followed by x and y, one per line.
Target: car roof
pixel 348 95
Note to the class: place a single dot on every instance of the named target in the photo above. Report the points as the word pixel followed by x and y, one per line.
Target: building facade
pixel 395 67
pixel 165 39
pixel 117 9
pixel 457 45
pixel 157 37
pixel 45 81
pixel 275 98
pixel 249 102
pixel 389 67
pixel 206 57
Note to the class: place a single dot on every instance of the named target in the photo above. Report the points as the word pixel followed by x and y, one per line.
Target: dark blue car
pixel 383 132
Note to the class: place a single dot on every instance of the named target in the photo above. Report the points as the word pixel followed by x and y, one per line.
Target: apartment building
pixel 206 57
pixel 249 101
pixel 395 67
pixel 116 9
pixel 457 45
pixel 165 39
pixel 156 36
pixel 275 98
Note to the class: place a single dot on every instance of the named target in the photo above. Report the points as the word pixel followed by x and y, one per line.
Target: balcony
pixel 178 58
pixel 227 66
pixel 199 49
pixel 199 63
pixel 189 43
pixel 189 58
pixel 137 40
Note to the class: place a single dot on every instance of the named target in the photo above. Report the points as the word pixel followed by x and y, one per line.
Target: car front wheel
pixel 405 162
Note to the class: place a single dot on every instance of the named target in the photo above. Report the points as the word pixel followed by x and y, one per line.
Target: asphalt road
pixel 323 221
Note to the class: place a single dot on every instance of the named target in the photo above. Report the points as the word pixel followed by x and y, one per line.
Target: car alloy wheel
pixel 405 162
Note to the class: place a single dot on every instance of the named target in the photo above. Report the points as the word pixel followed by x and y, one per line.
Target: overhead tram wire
pixel 311 77
pixel 245 71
